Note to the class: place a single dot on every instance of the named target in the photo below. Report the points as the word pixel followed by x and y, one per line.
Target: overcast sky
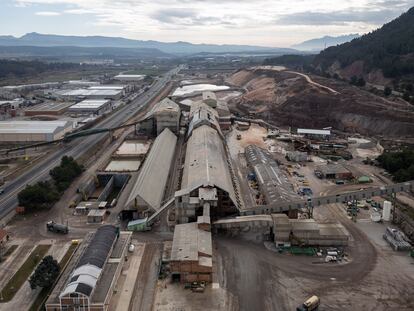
pixel 278 23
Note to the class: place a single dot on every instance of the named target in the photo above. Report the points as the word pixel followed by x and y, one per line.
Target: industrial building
pixel 297 156
pixel 90 94
pixel 87 107
pixel 90 277
pixel 202 114
pixel 333 171
pixel 324 134
pixel 96 216
pixel 191 254
pixel 165 114
pixel 307 232
pixel 122 88
pixel 206 179
pixel 273 183
pixel 47 108
pixel 129 77
pixel 33 131
pixel 283 230
pixel 148 190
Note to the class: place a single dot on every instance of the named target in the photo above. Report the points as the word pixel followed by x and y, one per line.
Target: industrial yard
pixel 186 202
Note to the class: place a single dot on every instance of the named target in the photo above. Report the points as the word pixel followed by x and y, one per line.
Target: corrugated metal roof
pixel 89 267
pixel 205 162
pixel 153 176
pixel 273 183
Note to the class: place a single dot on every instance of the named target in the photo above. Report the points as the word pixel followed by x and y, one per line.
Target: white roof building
pixel 90 106
pixel 33 131
pixel 127 77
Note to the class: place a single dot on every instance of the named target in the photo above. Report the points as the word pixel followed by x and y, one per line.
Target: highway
pixel 77 147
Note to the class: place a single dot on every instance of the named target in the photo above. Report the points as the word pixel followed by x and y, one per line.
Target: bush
pixel 45 274
pixel 399 164
pixel 387 91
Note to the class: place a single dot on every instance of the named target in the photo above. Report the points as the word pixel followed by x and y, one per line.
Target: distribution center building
pixel 90 107
pixel 91 94
pixel 48 108
pixel 33 131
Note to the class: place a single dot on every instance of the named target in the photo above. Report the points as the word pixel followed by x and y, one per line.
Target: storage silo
pixel 386 211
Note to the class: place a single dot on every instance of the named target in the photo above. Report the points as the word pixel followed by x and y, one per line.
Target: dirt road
pixel 144 289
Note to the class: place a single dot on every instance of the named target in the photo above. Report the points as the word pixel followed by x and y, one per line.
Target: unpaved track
pixel 144 289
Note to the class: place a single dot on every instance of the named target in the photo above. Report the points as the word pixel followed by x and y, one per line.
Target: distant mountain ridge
pixel 319 44
pixel 381 56
pixel 177 48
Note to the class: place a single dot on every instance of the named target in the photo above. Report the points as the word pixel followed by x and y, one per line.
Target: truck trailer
pixel 57 228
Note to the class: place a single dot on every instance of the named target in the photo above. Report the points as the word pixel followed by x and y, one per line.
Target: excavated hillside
pixel 293 99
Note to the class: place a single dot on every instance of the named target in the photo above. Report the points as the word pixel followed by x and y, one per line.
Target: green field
pixel 14 284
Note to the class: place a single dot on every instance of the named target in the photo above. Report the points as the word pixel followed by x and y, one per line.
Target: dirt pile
pixel 287 98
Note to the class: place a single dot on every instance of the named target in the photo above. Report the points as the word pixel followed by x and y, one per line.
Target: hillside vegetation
pixel 390 49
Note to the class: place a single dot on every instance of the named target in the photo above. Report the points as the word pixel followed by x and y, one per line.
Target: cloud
pixel 47 13
pixel 187 17
pixel 339 18
pixel 264 22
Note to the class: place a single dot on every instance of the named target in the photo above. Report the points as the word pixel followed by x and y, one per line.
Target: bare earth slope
pixel 289 98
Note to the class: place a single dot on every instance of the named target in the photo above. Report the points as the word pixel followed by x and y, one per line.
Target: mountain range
pixel 173 48
pixel 320 44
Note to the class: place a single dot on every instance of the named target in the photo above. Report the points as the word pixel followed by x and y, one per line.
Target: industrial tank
pixel 386 211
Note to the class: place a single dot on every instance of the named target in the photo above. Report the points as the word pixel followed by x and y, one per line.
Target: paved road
pixel 79 146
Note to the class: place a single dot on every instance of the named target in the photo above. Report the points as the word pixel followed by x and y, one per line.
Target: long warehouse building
pixel 148 190
pixel 206 177
pixel 33 131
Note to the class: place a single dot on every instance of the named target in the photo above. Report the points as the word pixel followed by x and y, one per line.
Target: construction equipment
pixel 310 304
pixel 57 228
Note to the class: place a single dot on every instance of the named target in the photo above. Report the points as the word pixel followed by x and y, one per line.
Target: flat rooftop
pixel 89 92
pixel 314 132
pixel 189 242
pixel 51 106
pixel 33 127
pixel 129 77
pixel 107 87
pixel 90 104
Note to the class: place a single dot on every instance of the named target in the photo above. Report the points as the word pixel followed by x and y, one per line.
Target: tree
pixel 361 82
pixel 406 96
pixel 65 173
pixel 354 80
pixel 38 196
pixel 45 274
pixel 387 91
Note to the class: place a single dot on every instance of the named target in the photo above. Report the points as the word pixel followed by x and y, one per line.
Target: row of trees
pixel 25 68
pixel 399 164
pixel 45 193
